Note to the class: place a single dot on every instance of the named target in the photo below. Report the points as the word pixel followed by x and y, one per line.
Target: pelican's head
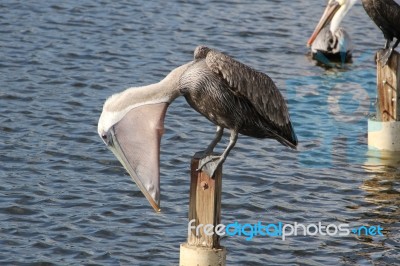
pixel 133 133
pixel 333 14
pixel 131 125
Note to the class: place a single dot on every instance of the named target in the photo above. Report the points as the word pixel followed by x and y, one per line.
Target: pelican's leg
pixel 211 163
pixel 232 142
pixel 214 142
pixel 387 44
pixel 396 43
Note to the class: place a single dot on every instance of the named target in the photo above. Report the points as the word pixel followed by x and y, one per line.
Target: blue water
pixel 66 200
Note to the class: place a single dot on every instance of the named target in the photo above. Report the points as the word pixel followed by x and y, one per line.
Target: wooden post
pixel 384 129
pixel 388 86
pixel 204 210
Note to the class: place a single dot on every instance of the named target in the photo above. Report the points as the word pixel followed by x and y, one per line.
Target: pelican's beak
pixel 330 11
pixel 135 141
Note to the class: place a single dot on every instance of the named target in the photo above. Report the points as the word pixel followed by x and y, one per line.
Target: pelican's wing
pixel 326 43
pixel 387 16
pixel 390 12
pixel 257 87
pixel 321 42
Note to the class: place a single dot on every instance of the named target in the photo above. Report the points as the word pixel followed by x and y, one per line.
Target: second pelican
pixel 333 42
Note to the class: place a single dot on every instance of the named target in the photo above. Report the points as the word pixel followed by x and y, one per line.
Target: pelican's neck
pixel 340 14
pixel 118 105
pixel 164 91
pixel 159 92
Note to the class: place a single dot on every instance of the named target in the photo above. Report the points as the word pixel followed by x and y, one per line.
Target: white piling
pixel 384 129
pixel 384 135
pixel 201 256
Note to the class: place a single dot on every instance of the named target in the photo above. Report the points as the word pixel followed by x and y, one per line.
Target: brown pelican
pixel 332 42
pixel 227 92
pixel 386 15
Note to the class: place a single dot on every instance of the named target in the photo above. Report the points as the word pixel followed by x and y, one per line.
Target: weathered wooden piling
pixel 388 84
pixel 203 247
pixel 384 129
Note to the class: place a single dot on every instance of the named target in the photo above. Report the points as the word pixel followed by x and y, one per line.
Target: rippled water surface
pixel 66 200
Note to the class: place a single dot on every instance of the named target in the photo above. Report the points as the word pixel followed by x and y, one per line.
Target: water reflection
pixel 382 184
pixel 382 196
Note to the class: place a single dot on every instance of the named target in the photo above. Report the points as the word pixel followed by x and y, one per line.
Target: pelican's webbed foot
pixel 210 164
pixel 385 56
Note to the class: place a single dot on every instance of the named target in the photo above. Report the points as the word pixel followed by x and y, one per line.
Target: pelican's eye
pixel 183 90
pixel 104 137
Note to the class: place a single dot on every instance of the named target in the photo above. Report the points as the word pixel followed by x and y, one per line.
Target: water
pixel 65 199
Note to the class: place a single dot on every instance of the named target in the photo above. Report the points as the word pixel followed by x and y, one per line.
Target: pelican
pixel 228 93
pixel 332 42
pixel 386 15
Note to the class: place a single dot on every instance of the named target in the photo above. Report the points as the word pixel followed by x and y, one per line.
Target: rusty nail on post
pixel 204 185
